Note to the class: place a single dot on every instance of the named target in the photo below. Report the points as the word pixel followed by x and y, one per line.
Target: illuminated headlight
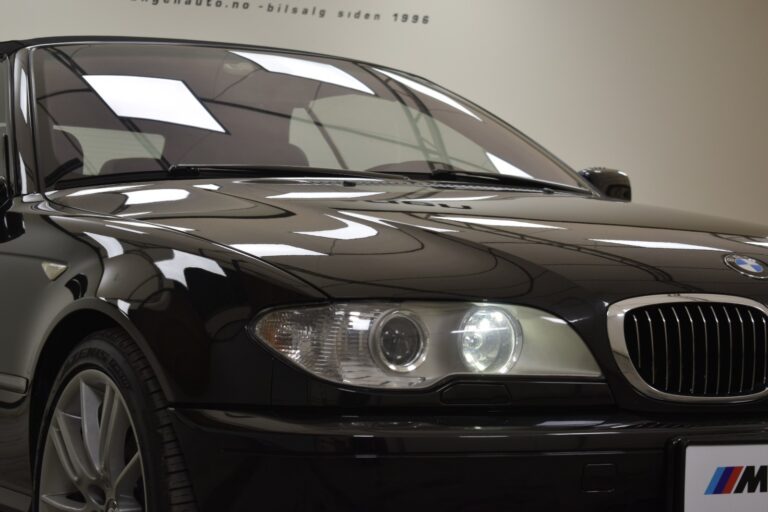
pixel 490 341
pixel 416 344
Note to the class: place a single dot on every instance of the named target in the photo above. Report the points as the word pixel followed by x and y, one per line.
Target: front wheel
pixel 107 443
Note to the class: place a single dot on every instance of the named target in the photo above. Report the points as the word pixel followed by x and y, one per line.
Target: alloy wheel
pixel 92 459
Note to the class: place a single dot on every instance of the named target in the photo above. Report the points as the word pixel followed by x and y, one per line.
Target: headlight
pixel 415 344
pixel 490 341
pixel 400 342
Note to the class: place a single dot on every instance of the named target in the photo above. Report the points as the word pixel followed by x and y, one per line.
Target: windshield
pixel 107 109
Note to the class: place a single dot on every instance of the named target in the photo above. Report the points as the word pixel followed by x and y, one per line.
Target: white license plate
pixel 726 478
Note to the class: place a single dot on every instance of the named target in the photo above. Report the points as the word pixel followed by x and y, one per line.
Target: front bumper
pixel 314 462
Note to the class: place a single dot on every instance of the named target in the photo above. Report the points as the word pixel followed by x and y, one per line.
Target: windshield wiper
pixel 431 170
pixel 195 170
pixel 504 179
pixel 182 171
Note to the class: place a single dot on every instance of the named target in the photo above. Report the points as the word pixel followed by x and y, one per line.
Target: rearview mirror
pixel 610 183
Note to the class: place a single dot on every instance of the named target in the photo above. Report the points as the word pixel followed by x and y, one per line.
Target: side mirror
pixel 5 194
pixel 610 183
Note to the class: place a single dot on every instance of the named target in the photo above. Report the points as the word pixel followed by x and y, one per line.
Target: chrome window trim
pixel 616 315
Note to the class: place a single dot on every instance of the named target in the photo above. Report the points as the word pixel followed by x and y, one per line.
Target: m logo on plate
pixel 739 479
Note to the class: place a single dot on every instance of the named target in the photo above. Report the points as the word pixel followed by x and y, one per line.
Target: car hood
pixel 399 239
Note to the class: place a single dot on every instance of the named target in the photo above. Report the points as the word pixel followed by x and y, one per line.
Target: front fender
pixel 186 302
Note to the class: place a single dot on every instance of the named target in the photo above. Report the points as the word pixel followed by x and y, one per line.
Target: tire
pixel 127 459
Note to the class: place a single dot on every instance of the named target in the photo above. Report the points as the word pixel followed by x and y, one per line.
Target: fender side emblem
pixel 53 270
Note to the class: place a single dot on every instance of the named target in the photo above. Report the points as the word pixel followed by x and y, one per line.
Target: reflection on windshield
pixel 157 99
pixel 308 69
pixel 507 168
pixel 439 96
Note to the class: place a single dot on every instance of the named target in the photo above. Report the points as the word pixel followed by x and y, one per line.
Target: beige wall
pixel 673 91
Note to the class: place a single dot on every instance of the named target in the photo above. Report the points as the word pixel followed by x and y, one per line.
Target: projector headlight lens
pixel 490 341
pixel 414 345
pixel 400 342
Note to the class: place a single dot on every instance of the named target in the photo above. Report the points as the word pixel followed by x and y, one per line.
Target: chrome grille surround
pixel 617 313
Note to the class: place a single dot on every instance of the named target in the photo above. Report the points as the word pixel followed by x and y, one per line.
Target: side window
pixel 4 101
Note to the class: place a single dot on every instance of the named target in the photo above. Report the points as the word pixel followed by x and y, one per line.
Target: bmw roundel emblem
pixel 747 266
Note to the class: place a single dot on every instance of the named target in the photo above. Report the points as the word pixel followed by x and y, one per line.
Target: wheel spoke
pixel 129 477
pixel 110 416
pixel 90 401
pixel 68 427
pixel 61 451
pixel 63 502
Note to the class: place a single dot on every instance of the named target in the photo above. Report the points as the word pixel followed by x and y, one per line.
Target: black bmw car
pixel 238 278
